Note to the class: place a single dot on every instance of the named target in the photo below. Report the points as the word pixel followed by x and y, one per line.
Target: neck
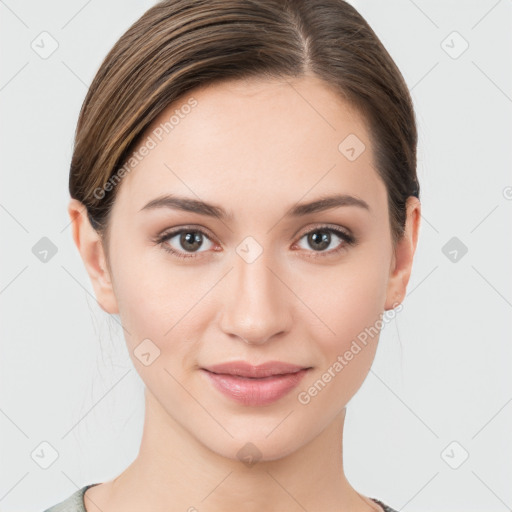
pixel 173 469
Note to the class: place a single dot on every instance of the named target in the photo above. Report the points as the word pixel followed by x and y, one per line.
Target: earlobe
pixel 91 250
pixel 401 267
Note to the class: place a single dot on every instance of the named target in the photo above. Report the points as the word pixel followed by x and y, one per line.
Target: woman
pixel 244 195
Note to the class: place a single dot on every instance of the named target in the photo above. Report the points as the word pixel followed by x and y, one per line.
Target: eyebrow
pixel 298 210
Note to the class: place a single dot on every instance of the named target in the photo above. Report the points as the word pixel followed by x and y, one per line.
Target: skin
pixel 256 148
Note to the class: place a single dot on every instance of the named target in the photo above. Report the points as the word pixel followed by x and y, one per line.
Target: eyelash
pixel 349 240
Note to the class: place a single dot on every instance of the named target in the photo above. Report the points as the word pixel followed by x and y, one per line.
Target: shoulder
pixel 384 507
pixel 73 503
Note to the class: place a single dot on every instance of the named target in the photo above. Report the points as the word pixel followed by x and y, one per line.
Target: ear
pixel 92 252
pixel 401 265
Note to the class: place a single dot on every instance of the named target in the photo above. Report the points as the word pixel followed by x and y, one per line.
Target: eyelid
pixel 326 226
pixel 188 227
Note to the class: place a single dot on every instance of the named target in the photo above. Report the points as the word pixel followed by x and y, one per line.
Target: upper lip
pixel 244 369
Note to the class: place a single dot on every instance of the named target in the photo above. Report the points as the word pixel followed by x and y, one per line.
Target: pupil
pixel 323 239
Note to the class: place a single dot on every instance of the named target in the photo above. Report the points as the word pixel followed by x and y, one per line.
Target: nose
pixel 256 305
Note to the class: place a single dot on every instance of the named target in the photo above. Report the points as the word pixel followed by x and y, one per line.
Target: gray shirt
pixel 75 503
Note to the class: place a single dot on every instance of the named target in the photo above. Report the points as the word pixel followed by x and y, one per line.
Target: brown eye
pixel 191 240
pixel 187 241
pixel 321 238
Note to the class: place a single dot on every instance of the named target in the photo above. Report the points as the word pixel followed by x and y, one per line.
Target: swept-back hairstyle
pixel 178 45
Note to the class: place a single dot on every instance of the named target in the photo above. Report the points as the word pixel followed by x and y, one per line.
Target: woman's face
pixel 264 281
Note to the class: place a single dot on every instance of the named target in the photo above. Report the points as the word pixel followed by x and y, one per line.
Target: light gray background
pixel 442 371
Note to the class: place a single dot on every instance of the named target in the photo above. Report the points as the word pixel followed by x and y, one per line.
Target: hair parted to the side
pixel 178 45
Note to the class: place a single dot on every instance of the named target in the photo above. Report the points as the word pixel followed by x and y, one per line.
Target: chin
pixel 256 441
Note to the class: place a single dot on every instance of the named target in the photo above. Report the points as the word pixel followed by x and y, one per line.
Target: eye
pixel 321 238
pixel 189 240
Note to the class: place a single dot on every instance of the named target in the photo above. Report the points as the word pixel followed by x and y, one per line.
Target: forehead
pixel 254 143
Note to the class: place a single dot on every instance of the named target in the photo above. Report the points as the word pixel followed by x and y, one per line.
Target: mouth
pixel 255 385
pixel 244 369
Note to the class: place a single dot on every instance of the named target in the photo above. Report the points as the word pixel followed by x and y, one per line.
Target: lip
pixel 244 369
pixel 255 385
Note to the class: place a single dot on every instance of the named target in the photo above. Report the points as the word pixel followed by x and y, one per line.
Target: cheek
pixel 154 293
pixel 349 300
pixel 164 304
pixel 351 305
pixel 350 297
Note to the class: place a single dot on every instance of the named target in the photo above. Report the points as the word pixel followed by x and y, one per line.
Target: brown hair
pixel 178 45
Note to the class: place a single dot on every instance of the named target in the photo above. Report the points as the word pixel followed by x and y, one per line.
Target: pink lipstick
pixel 255 385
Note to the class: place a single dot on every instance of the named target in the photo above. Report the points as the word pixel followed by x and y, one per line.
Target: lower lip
pixel 255 391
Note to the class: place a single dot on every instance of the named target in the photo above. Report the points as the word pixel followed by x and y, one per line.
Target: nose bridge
pixel 256 307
